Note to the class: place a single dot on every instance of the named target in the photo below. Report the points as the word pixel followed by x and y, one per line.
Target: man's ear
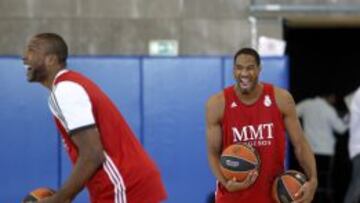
pixel 51 59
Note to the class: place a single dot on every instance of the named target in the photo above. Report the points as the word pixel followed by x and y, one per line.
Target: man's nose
pixel 24 59
pixel 244 73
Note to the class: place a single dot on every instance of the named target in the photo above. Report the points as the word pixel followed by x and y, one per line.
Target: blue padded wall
pixel 175 93
pixel 274 70
pixel 163 99
pixel 119 79
pixel 28 141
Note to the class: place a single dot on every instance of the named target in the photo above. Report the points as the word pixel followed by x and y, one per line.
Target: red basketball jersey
pixel 260 125
pixel 127 169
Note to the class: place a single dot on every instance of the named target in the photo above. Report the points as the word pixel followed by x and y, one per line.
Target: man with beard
pixel 107 157
pixel 257 114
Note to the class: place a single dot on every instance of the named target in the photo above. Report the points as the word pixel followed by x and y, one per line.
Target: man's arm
pixel 214 113
pixel 90 158
pixel 70 100
pixel 337 123
pixel 302 148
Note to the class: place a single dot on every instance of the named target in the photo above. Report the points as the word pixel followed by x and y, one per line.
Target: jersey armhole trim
pixel 226 100
pixel 76 130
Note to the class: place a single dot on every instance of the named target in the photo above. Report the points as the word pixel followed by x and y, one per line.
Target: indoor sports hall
pixel 159 61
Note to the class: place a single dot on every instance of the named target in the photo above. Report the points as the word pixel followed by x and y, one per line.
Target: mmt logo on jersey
pixel 255 135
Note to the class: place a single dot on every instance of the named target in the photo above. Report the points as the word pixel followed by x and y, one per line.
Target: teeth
pixel 244 80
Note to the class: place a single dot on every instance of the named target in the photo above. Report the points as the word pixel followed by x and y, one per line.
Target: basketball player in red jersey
pixel 107 157
pixel 258 114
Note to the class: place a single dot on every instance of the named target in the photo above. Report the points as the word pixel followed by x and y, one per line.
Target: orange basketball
pixel 238 160
pixel 38 194
pixel 286 185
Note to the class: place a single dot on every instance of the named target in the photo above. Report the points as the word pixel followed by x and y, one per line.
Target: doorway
pixel 325 59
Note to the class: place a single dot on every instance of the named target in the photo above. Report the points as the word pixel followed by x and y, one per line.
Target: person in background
pixel 353 193
pixel 320 120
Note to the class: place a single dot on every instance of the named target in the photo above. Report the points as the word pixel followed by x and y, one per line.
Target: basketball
pixel 38 194
pixel 287 185
pixel 238 160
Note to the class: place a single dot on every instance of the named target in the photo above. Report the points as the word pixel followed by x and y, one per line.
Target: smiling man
pixel 257 114
pixel 107 157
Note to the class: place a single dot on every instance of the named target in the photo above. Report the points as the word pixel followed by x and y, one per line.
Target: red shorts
pixel 149 190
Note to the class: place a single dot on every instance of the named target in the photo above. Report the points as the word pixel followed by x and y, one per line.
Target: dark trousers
pixel 324 166
pixel 353 193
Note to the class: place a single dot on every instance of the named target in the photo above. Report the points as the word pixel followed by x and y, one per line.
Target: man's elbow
pixel 301 147
pixel 99 158
pixel 95 157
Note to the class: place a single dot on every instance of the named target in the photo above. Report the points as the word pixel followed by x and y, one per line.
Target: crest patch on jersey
pixel 267 101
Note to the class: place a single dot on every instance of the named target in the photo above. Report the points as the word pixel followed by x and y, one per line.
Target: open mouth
pixel 244 83
pixel 27 67
pixel 29 71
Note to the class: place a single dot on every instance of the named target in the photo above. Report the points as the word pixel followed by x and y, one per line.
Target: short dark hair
pixel 248 51
pixel 55 44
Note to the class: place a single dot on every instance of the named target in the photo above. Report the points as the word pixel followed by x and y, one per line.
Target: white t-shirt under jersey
pixel 70 103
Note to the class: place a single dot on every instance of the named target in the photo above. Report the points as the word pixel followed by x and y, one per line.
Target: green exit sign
pixel 163 48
